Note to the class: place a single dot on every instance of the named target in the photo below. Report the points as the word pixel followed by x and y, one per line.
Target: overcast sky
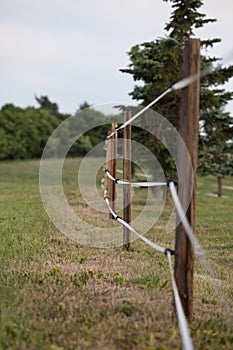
pixel 72 50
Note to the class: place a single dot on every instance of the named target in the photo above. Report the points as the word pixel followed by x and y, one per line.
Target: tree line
pixel 24 132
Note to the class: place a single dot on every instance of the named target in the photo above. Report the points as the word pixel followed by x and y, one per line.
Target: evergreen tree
pixel 158 63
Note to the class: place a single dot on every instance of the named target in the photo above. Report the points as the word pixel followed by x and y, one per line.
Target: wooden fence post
pixel 110 164
pixel 112 188
pixel 189 131
pixel 127 176
pixel 107 159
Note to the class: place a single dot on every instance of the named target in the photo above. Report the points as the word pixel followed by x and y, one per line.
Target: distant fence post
pixel 127 176
pixel 113 168
pixel 107 162
pixel 110 164
pixel 189 131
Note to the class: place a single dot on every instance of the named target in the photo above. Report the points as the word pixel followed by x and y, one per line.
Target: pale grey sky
pixel 72 50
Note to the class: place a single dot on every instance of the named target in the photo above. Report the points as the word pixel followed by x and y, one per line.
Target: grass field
pixel 56 294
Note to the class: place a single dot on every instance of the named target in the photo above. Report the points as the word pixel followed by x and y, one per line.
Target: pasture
pixel 56 294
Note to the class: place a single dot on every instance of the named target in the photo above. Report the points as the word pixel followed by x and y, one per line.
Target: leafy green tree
pixel 24 132
pixel 158 63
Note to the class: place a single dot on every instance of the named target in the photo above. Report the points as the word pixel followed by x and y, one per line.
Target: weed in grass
pixel 119 279
pixel 149 282
pixel 127 308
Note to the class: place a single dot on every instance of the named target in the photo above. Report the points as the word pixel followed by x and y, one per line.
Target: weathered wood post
pixel 189 131
pixel 127 176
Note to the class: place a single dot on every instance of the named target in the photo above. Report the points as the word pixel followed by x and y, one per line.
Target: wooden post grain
pixel 189 131
pixel 127 176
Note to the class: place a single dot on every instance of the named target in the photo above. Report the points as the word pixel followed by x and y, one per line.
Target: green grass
pixel 56 294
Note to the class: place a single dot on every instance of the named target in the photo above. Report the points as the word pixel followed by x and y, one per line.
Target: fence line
pixel 183 325
pixel 185 336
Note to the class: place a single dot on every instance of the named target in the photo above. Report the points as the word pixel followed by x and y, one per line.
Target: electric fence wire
pixel 139 113
pixel 175 86
pixel 134 184
pixel 177 203
pixel 124 223
pixel 181 214
pixel 183 325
